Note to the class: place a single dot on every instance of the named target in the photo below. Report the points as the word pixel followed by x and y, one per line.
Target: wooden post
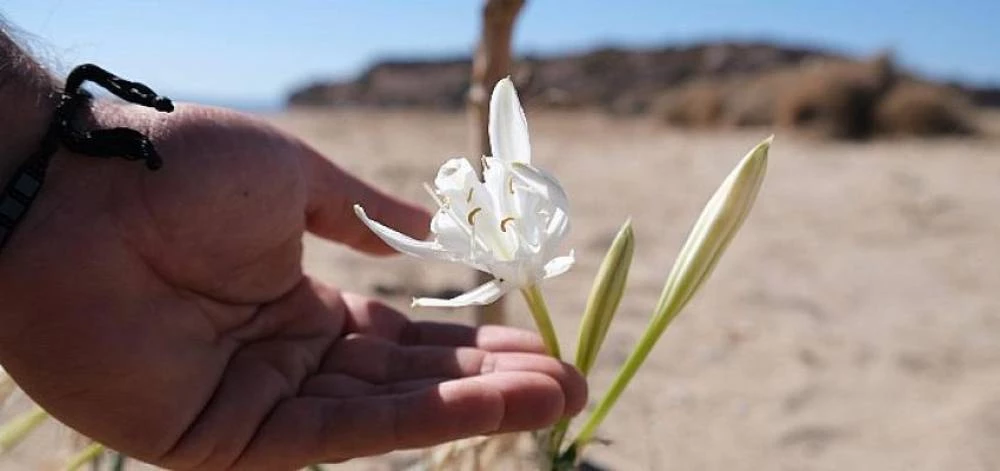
pixel 490 64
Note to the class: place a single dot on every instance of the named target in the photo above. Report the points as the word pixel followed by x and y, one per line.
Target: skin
pixel 166 314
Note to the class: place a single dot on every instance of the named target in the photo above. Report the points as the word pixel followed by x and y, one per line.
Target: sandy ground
pixel 853 324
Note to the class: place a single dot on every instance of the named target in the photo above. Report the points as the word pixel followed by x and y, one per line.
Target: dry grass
pixel 698 104
pixel 834 99
pixel 826 99
pixel 918 109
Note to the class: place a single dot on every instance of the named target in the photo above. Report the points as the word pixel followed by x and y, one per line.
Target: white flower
pixel 509 224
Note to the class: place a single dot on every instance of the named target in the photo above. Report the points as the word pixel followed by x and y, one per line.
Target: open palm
pixel 166 315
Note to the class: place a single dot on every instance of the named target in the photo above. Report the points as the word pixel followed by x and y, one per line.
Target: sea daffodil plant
pixel 510 222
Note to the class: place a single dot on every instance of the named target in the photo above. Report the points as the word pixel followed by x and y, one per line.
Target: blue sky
pixel 258 50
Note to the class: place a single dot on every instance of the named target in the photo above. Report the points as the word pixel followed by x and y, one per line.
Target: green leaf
pixel 605 295
pixel 719 221
pixel 85 456
pixel 14 431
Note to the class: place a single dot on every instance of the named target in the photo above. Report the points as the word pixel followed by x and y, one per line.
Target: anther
pixel 472 215
pixel 503 223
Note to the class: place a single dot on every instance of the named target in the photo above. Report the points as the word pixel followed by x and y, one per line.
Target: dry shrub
pixel 696 104
pixel 827 98
pixel 921 109
pixel 835 99
pixel 752 100
pixel 743 100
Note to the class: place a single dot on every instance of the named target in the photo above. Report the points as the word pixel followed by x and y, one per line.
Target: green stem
pixel 119 463
pixel 631 366
pixel 536 304
pixel 85 456
pixel 14 431
pixel 556 437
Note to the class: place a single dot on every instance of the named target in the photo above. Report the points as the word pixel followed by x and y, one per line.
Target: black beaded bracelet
pixel 26 183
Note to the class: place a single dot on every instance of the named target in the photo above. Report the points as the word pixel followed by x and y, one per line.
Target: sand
pixel 853 324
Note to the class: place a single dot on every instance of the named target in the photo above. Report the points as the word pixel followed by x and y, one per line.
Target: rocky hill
pixel 619 80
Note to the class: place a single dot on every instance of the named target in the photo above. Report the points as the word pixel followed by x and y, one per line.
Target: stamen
pixel 472 215
pixel 443 204
pixel 473 240
pixel 510 184
pixel 468 198
pixel 503 224
pixel 434 195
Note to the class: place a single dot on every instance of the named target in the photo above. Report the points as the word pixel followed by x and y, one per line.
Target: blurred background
pixel 614 54
pixel 854 324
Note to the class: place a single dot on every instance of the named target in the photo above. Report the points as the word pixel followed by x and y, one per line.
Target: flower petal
pixel 481 295
pixel 508 128
pixel 402 242
pixel 496 176
pixel 541 182
pixel 455 239
pixel 556 203
pixel 559 265
pixel 450 235
pixel 557 227
pixel 455 175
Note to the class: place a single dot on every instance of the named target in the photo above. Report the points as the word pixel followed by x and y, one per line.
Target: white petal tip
pixel 508 128
pixel 479 296
pixel 440 303
pixel 559 265
pixel 448 303
pixel 505 93
pixel 505 82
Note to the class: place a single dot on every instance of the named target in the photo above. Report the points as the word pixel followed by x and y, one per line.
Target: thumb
pixel 332 194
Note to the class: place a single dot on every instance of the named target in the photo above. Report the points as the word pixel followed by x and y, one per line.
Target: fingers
pixel 306 430
pixel 334 385
pixel 376 366
pixel 373 318
pixel 379 361
pixel 330 214
pixel 392 384
pixel 493 338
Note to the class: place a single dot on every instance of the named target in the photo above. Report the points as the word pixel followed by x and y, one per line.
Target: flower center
pixel 489 240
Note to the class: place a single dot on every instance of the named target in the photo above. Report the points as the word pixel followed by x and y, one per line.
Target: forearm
pixel 27 100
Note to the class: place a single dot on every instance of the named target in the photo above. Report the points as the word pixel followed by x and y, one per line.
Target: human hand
pixel 165 314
